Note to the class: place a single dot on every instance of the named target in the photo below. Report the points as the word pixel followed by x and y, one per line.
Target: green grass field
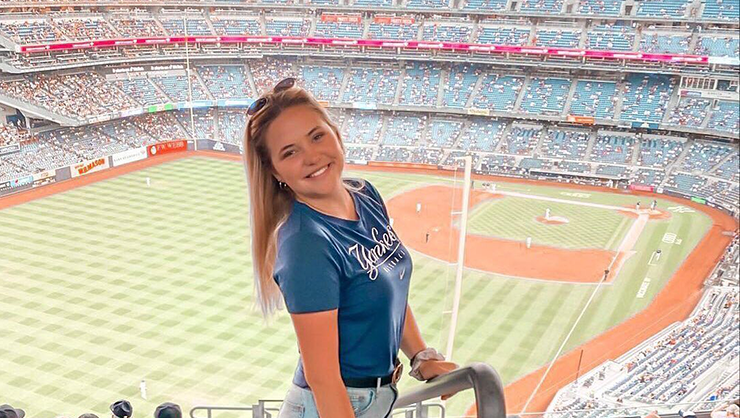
pixel 513 218
pixel 115 282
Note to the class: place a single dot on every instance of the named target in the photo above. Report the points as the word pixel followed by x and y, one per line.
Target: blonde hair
pixel 269 203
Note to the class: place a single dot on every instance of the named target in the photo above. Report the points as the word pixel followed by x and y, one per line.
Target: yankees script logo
pixel 383 253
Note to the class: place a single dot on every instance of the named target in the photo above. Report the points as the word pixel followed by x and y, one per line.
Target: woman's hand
pixel 433 368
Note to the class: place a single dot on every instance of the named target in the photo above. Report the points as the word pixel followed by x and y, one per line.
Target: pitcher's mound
pixel 553 220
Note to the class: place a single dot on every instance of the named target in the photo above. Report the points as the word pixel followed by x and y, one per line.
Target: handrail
pixel 485 381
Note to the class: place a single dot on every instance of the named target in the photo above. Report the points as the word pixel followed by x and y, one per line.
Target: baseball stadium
pixel 564 173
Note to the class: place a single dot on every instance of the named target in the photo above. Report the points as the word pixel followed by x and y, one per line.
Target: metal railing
pixel 482 378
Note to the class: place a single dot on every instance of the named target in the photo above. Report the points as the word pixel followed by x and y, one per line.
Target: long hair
pixel 270 204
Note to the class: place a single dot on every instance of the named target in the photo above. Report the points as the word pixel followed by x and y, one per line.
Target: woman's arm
pixel 411 340
pixel 318 339
pixel 412 343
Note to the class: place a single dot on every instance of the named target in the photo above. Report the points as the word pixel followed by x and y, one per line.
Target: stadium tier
pixel 617 154
pixel 663 370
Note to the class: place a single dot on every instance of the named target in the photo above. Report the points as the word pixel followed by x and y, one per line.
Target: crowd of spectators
pixel 611 148
pixel 78 96
pixel 545 95
pixel 135 22
pixel 498 92
pixel 703 155
pixel 11 133
pixel 421 84
pixel 690 112
pixel 705 169
pixel 284 27
pixel 665 370
pixel 362 128
pixel 371 85
pixel 645 97
pixel 594 98
pixel 568 145
pixel 521 140
pixel 665 43
pixel 86 28
pixel 481 135
pixel 447 33
pixel 393 31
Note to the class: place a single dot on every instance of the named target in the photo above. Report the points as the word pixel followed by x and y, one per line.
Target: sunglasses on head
pixel 260 103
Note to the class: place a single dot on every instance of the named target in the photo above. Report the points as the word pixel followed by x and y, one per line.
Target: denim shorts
pixel 366 402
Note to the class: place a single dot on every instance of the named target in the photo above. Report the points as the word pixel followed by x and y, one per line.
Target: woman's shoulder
pixel 363 186
pixel 299 228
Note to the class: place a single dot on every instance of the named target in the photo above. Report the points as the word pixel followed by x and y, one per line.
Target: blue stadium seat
pixel 594 98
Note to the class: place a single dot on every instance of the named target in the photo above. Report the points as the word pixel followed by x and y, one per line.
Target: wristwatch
pixel 428 353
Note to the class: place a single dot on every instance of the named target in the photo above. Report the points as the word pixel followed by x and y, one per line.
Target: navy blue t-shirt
pixel 358 267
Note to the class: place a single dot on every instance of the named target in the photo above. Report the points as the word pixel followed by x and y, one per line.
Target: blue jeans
pixel 366 402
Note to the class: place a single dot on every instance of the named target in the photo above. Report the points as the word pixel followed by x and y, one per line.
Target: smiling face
pixel 305 153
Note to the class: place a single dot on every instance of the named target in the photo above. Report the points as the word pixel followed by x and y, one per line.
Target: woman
pixel 326 245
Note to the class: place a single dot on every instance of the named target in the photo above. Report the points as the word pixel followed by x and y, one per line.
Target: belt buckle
pixel 397 373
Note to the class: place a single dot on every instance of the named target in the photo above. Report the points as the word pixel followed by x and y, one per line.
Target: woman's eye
pixel 288 153
pixel 318 136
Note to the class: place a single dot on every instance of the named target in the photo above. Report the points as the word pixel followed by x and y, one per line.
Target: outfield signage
pixel 169 147
pixel 129 156
pixel 9 149
pixel 43 178
pixel 452 46
pixel 15 184
pixel 641 187
pixel 88 167
pixel 699 200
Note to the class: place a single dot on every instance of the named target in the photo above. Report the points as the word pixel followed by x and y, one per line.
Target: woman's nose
pixel 311 155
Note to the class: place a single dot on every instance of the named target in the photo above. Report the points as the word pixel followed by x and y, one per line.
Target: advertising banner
pixel 18 183
pixel 394 20
pixel 480 112
pixel 5 185
pixel 481 48
pixel 641 187
pixel 88 167
pixel 699 200
pixel 583 120
pixel 44 175
pixel 43 178
pixel 129 156
pixel 9 149
pixel 341 18
pixel 169 147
